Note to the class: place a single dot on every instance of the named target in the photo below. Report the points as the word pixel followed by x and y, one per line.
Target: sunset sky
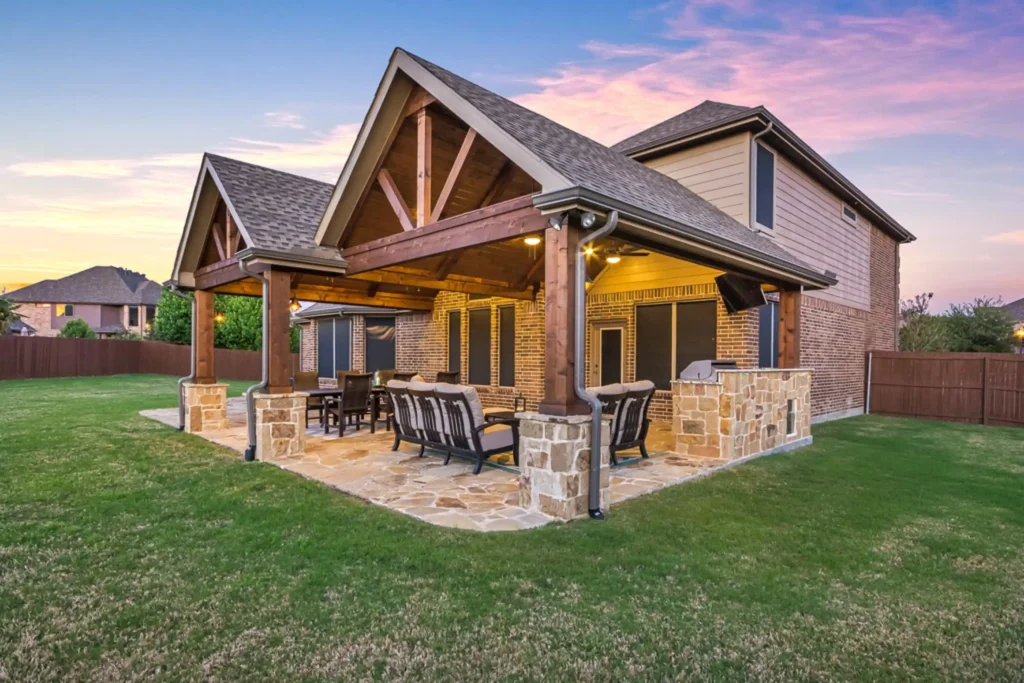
pixel 107 109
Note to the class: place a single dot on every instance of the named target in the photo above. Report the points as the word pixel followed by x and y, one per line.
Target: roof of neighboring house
pixel 589 166
pixel 708 117
pixel 322 310
pixel 18 325
pixel 1016 309
pixel 680 125
pixel 114 328
pixel 278 211
pixel 97 285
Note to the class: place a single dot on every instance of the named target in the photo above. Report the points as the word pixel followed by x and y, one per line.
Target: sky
pixel 107 107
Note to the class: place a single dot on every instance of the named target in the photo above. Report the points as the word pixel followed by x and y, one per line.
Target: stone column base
pixel 280 425
pixel 554 461
pixel 206 407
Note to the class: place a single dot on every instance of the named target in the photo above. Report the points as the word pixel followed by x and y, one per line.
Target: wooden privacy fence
pixel 34 357
pixel 983 388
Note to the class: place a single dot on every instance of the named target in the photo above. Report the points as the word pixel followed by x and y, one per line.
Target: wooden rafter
pixel 453 176
pixel 218 241
pixel 502 289
pixel 499 183
pixel 398 204
pixel 448 262
pixel 336 295
pixel 531 274
pixel 495 223
pixel 419 100
pixel 424 161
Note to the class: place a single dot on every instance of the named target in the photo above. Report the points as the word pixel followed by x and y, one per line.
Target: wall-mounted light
pixel 589 251
pixel 294 305
pixel 614 258
pixel 588 219
pixel 555 222
pixel 532 241
pixel 219 318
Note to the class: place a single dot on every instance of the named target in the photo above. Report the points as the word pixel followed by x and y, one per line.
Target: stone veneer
pixel 554 459
pixel 741 414
pixel 206 407
pixel 280 425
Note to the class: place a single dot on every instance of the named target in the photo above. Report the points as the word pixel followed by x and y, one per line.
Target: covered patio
pixel 523 214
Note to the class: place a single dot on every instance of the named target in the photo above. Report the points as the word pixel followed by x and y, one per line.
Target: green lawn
pixel 889 550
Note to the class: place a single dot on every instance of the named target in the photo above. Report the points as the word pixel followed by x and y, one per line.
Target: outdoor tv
pixel 739 293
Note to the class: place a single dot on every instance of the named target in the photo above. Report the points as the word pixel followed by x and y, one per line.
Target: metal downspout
pixel 173 289
pixel 594 501
pixel 250 401
pixel 753 174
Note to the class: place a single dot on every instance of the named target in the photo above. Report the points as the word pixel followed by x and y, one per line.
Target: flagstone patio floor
pixel 363 465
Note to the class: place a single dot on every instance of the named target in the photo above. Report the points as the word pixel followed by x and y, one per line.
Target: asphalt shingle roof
pixel 704 114
pixel 97 285
pixel 279 211
pixel 1016 309
pixel 593 166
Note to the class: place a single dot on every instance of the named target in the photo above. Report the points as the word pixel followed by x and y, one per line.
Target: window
pixel 333 346
pixel 610 354
pixel 849 214
pixel 480 346
pixel 454 341
pixel 65 309
pixel 790 417
pixel 672 336
pixel 150 314
pixel 133 316
pixel 507 346
pixel 764 188
pixel 768 335
pixel 380 343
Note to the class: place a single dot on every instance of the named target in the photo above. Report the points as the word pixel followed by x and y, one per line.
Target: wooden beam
pixel 499 183
pixel 278 337
pixel 230 246
pixel 789 329
pixel 337 295
pixel 419 100
pixel 538 264
pixel 560 322
pixel 453 176
pixel 217 242
pixel 424 158
pixel 205 372
pixel 398 204
pixel 409 280
pixel 219 273
pixel 495 223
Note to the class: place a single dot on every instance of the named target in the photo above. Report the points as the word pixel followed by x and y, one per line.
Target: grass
pixel 889 550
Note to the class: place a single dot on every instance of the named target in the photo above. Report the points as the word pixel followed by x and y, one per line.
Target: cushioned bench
pixel 450 418
pixel 627 405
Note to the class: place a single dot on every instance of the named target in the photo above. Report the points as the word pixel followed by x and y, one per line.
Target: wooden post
pixel 278 337
pixel 423 159
pixel 204 337
pixel 789 329
pixel 560 323
pixel 985 403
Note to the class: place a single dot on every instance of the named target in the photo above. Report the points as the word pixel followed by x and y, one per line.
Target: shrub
pixel 77 329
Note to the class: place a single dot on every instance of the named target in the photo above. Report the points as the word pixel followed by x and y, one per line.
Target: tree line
pixel 980 326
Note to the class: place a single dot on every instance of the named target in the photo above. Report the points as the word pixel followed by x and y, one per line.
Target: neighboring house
pixel 21 329
pixel 1016 311
pixel 719 189
pixel 111 300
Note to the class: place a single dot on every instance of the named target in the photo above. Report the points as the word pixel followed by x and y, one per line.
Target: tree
pixel 173 321
pixel 920 330
pixel 8 314
pixel 77 329
pixel 979 326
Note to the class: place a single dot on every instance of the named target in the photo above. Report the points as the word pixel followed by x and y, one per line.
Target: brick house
pixel 111 300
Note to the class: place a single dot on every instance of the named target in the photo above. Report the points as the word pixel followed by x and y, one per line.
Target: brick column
pixel 206 407
pixel 554 458
pixel 280 425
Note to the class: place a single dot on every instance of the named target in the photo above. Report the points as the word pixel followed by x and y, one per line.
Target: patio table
pixel 325 395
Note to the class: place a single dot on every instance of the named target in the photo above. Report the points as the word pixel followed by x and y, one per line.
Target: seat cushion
pixel 640 385
pixel 397 384
pixel 497 437
pixel 606 390
pixel 476 408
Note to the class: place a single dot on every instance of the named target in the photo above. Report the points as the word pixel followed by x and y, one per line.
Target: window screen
pixel 455 341
pixel 133 316
pixel 654 337
pixel 333 346
pixel 768 335
pixel 480 346
pixel 611 356
pixel 696 333
pixel 507 346
pixel 765 213
pixel 342 345
pixel 380 344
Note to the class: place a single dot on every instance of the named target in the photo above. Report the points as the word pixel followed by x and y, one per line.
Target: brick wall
pixel 307 346
pixel 885 292
pixel 39 317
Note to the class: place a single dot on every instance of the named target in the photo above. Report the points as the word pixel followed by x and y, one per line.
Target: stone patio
pixel 363 464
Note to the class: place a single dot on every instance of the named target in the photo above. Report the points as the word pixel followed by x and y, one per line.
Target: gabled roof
pixel 570 167
pixel 1015 309
pixel 714 119
pixel 97 285
pixel 681 125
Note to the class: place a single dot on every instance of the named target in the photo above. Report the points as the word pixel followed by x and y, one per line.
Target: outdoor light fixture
pixel 294 305
pixel 588 220
pixel 219 318
pixel 532 241
pixel 589 251
pixel 555 222
pixel 614 258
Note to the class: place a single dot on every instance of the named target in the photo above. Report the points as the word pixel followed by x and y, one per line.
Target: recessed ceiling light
pixel 532 241
pixel 614 258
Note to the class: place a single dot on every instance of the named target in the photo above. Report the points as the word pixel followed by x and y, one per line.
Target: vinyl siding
pixel 718 172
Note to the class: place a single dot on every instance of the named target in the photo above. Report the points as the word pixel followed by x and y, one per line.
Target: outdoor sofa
pixel 449 418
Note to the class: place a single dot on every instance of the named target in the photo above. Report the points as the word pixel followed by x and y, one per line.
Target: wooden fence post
pixel 984 391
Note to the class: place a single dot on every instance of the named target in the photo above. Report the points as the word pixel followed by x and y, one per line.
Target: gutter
pixel 574 197
pixel 594 497
pixel 287 258
pixel 250 400
pixel 173 289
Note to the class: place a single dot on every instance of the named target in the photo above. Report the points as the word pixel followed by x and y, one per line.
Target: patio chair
pixel 627 405
pixel 466 429
pixel 354 402
pixel 404 376
pixel 306 381
pixel 446 377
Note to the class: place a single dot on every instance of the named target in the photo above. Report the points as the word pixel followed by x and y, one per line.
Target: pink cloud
pixel 838 80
